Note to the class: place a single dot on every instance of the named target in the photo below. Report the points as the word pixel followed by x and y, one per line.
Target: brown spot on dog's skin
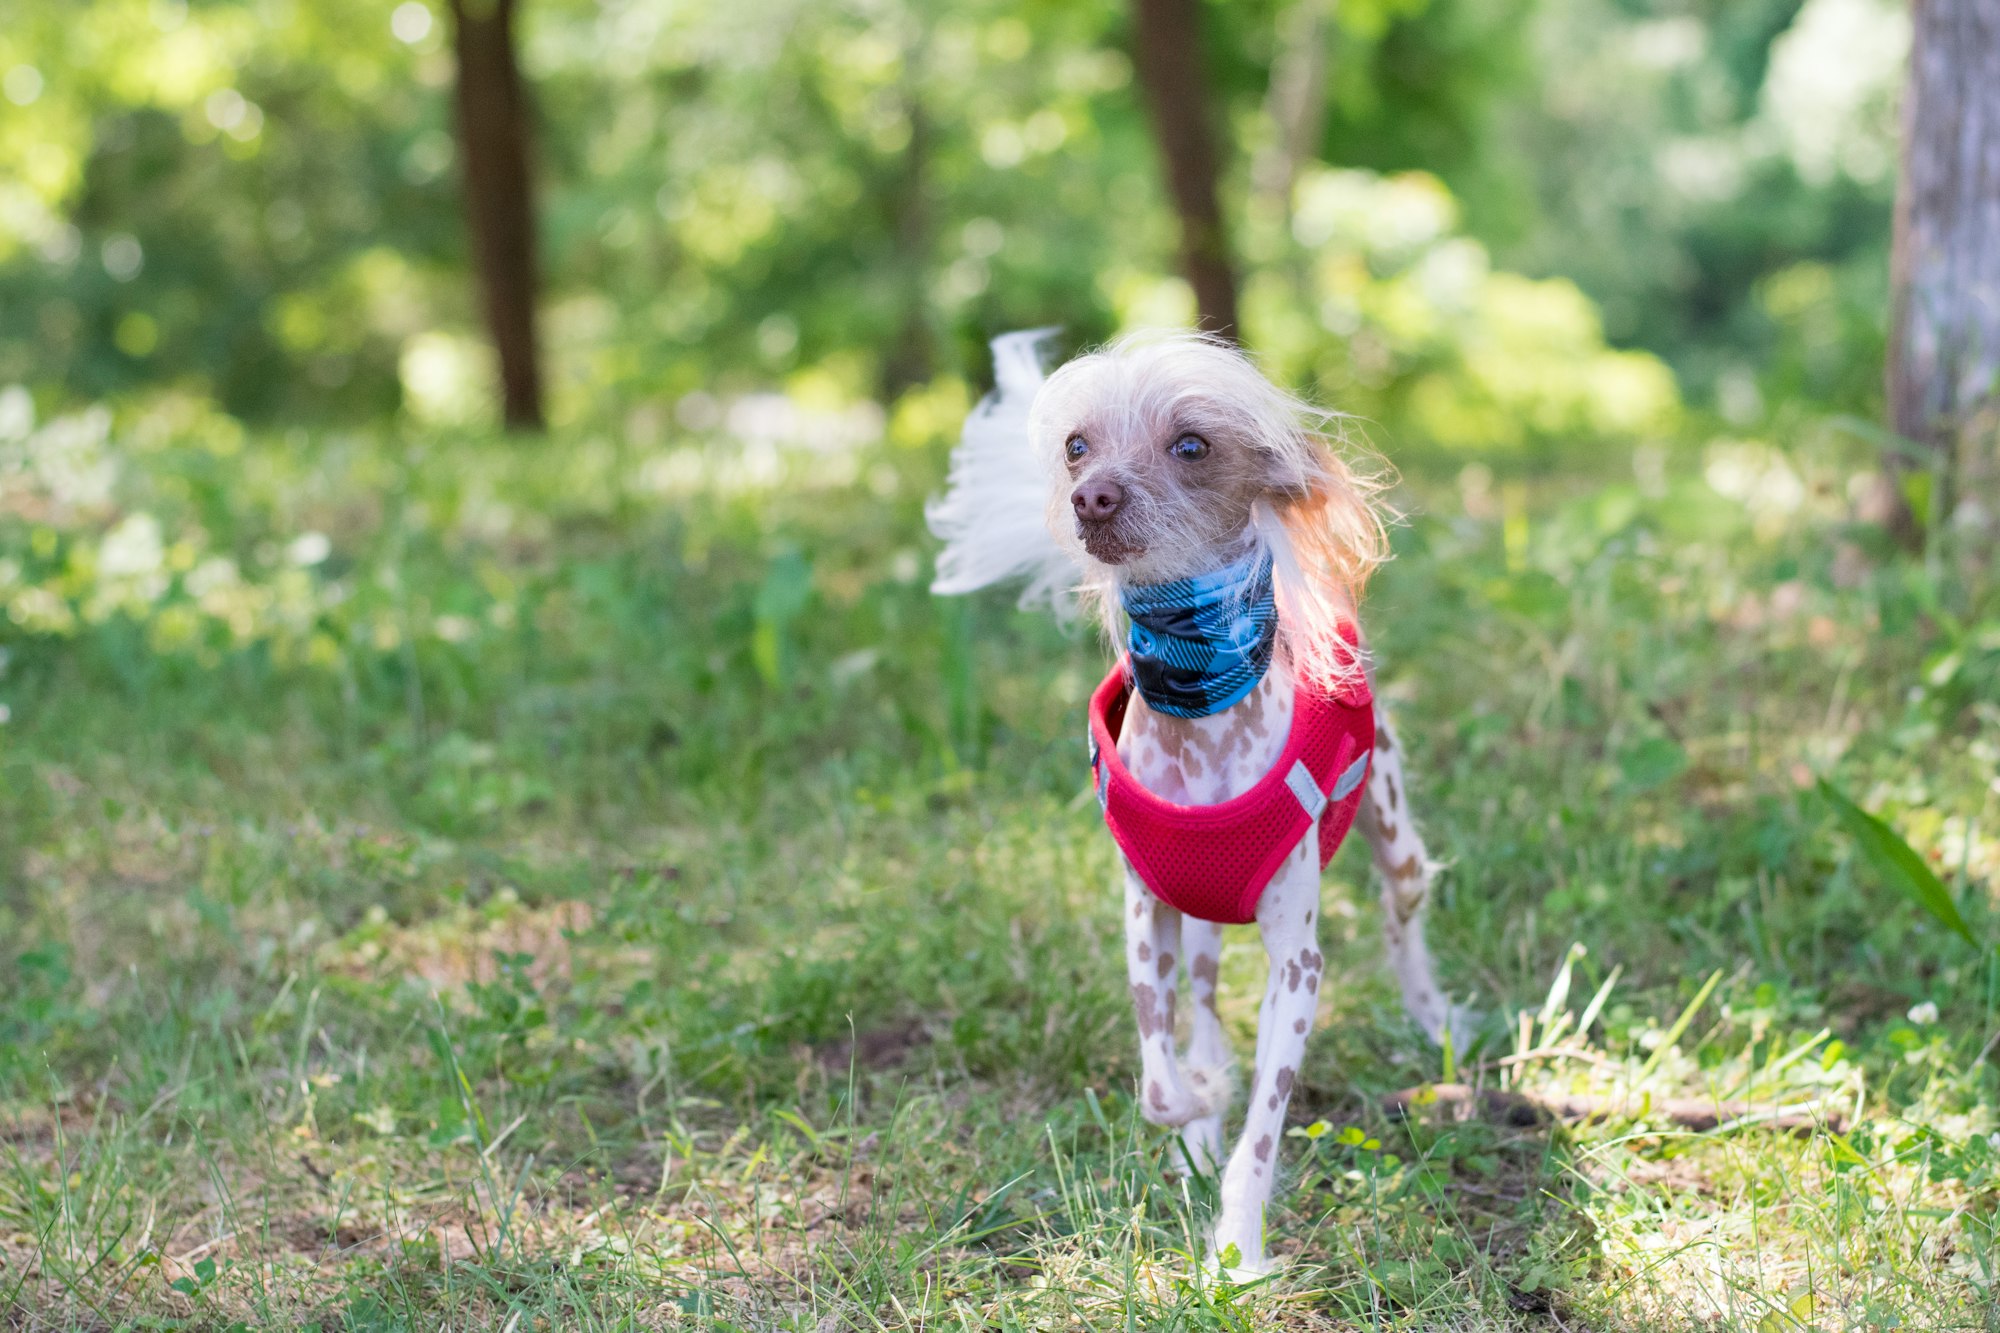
pixel 1196 760
pixel 1264 1149
pixel 1146 1003
pixel 1293 975
pixel 1390 780
pixel 1166 966
pixel 1145 951
pixel 1155 1097
pixel 1299 1025
pixel 1409 869
pixel 1205 969
pixel 1390 832
pixel 1274 1101
pixel 1285 1078
pixel 1382 742
pixel 1167 1018
pixel 1312 983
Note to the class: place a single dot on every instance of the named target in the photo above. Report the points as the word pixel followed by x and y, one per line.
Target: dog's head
pixel 1167 445
pixel 1169 455
pixel 1159 457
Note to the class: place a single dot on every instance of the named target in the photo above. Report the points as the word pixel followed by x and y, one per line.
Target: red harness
pixel 1213 861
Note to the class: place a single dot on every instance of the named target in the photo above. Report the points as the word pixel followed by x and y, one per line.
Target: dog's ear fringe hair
pixel 1323 551
pixel 993 516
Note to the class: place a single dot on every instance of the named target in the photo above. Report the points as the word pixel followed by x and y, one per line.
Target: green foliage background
pixel 587 880
pixel 736 194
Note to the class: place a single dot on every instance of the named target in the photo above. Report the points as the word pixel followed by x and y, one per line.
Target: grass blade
pixel 1896 861
pixel 1680 1026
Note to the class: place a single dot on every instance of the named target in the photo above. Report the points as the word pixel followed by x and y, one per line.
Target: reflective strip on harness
pixel 1300 780
pixel 1351 778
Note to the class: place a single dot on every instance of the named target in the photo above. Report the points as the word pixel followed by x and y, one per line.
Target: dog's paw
pixel 1436 1015
pixel 1461 1021
pixel 1198 1150
pixel 1212 1088
pixel 1170 1102
pixel 1231 1262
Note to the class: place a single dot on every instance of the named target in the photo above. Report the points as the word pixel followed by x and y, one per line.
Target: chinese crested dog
pixel 1207 517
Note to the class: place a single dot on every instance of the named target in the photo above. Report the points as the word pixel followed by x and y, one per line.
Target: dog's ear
pixel 1288 485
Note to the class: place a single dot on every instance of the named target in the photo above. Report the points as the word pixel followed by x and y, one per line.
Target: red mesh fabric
pixel 1213 861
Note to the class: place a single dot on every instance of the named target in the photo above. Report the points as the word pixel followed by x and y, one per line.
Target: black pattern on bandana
pixel 1199 645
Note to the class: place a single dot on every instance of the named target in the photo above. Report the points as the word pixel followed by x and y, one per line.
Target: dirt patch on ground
pixel 469 944
pixel 874 1049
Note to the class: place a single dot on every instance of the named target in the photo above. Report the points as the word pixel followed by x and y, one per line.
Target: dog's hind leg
pixel 1406 870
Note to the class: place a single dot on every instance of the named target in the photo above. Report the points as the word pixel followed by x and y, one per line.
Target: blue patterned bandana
pixel 1199 645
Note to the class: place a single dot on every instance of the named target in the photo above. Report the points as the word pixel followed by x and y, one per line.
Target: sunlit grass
pixel 650 908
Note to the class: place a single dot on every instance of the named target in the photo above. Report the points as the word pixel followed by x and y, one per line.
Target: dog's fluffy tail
pixel 992 517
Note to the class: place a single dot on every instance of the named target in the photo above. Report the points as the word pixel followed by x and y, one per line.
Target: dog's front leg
pixel 1152 939
pixel 1286 917
pixel 1207 1060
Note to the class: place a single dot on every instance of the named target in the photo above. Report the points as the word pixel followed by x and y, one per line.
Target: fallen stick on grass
pixel 1696 1113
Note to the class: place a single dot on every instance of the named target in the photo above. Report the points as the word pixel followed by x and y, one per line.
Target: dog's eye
pixel 1189 447
pixel 1077 447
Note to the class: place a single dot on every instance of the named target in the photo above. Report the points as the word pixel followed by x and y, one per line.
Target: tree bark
pixel 1168 56
pixel 911 359
pixel 499 197
pixel 1944 342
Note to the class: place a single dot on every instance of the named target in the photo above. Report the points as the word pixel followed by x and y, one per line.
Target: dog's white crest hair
pixel 992 517
pixel 1008 492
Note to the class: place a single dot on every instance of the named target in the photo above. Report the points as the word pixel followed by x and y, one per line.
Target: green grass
pixel 627 899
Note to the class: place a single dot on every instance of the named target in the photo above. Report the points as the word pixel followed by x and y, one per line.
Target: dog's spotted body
pixel 1203 761
pixel 1161 460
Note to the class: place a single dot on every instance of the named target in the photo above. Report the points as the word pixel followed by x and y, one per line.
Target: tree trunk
pixel 1944 342
pixel 1168 57
pixel 499 200
pixel 910 360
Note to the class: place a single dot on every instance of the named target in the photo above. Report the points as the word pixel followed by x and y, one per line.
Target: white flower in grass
pixel 1927 1012
pixel 211 575
pixel 17 413
pixel 454 629
pixel 308 549
pixel 132 549
pixel 70 460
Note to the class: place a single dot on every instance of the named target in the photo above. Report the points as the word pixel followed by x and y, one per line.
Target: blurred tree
pixel 499 197
pixel 233 199
pixel 1944 349
pixel 257 200
pixel 1168 52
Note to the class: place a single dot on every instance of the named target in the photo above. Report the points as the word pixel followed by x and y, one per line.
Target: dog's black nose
pixel 1095 501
